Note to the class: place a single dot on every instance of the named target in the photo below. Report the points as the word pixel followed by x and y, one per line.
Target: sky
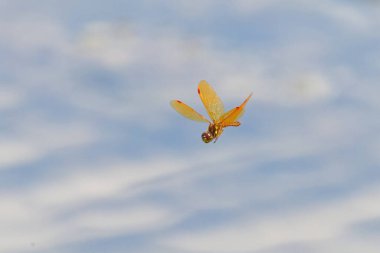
pixel 94 159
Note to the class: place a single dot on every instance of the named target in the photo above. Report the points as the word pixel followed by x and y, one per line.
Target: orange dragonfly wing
pixel 229 118
pixel 187 111
pixel 213 104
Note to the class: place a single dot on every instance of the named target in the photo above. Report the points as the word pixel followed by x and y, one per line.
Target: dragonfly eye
pixel 207 137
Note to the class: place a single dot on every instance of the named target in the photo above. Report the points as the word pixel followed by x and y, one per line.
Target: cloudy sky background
pixel 93 159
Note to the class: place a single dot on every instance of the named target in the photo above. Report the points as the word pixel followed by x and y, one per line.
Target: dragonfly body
pixel 215 110
pixel 213 132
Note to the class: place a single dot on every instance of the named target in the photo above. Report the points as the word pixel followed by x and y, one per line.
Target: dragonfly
pixel 215 109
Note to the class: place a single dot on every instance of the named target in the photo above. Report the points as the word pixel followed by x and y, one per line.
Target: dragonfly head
pixel 207 137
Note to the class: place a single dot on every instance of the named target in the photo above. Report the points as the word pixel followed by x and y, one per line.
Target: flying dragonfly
pixel 215 109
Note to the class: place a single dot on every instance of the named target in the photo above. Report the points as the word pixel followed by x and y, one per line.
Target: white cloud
pixel 313 224
pixel 28 34
pixel 100 223
pixel 311 87
pixel 349 16
pixel 61 209
pixel 32 140
pixel 32 216
pixel 9 97
pixel 119 47
pixel 113 44
pixel 16 153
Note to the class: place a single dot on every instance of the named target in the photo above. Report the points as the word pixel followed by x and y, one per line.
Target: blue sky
pixel 93 159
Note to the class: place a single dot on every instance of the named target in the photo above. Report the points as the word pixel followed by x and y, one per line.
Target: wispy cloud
pixel 312 224
pixel 91 153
